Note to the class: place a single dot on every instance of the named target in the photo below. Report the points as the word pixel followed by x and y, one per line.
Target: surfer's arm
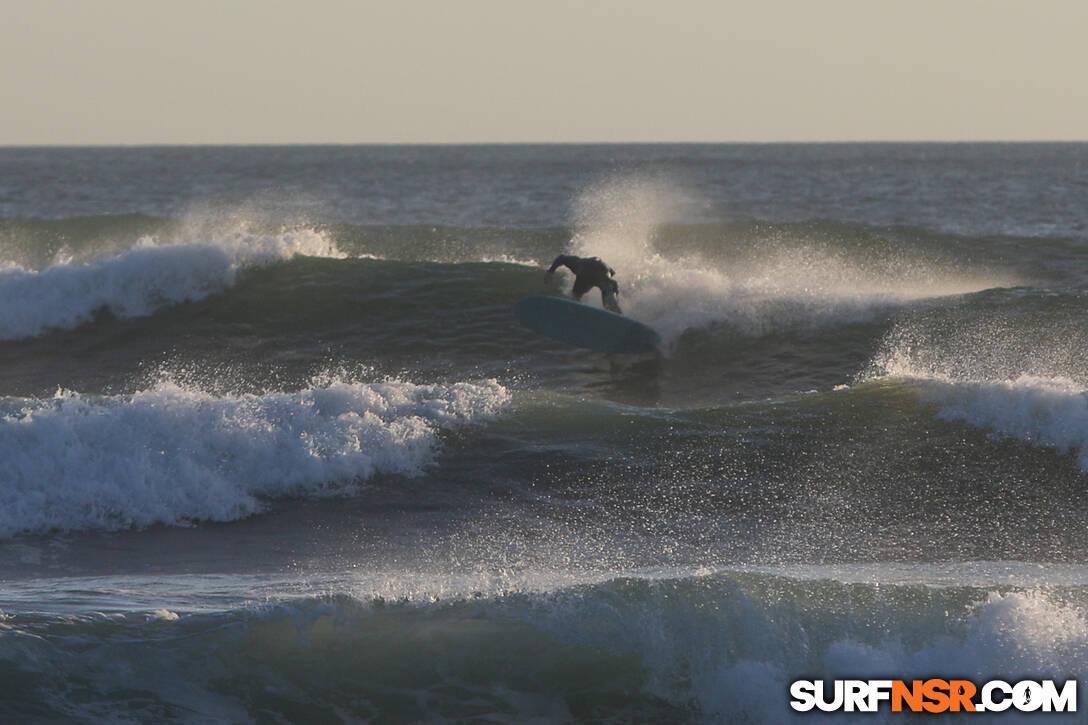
pixel 564 260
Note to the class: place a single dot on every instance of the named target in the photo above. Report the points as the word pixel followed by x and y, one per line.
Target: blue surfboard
pixel 585 326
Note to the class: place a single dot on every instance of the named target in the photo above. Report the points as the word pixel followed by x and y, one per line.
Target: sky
pixel 476 71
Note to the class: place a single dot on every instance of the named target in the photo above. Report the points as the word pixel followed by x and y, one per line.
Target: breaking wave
pixel 172 454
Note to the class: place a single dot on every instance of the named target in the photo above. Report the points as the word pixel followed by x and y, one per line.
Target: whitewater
pixel 273 447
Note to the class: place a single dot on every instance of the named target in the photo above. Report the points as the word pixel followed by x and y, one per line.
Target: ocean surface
pixel 274 449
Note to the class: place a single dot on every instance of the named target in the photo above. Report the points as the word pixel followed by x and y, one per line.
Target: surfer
pixel 590 272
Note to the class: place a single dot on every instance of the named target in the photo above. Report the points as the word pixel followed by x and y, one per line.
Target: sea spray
pixel 1021 374
pixel 676 647
pixel 584 556
pixel 778 279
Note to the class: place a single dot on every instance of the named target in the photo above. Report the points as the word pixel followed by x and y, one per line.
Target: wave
pixel 757 278
pixel 1012 364
pixel 191 264
pixel 172 454
pixel 754 277
pixel 1047 412
pixel 702 647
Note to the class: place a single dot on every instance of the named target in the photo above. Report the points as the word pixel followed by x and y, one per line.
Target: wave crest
pixel 1018 372
pixel 756 280
pixel 172 454
pixel 154 273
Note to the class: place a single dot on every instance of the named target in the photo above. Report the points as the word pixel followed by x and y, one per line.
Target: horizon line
pixel 268 144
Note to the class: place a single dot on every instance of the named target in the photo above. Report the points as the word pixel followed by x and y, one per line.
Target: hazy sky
pixel 262 71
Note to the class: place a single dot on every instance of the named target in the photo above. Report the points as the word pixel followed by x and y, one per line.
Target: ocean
pixel 274 449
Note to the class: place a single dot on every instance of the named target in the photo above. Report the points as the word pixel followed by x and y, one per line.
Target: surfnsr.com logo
pixel 933 696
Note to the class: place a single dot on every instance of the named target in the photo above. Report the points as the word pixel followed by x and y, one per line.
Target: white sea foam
pixel 172 454
pixel 1050 412
pixel 508 259
pixel 200 260
pixel 734 650
pixel 722 647
pixel 1027 383
pixel 731 644
pixel 772 285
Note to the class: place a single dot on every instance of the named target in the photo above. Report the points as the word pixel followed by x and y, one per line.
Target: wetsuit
pixel 590 272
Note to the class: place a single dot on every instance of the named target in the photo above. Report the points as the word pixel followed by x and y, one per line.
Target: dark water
pixel 275 449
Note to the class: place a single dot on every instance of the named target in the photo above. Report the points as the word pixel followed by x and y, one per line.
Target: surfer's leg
pixel 608 299
pixel 581 286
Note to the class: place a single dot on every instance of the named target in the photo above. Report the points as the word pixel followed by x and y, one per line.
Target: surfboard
pixel 585 326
